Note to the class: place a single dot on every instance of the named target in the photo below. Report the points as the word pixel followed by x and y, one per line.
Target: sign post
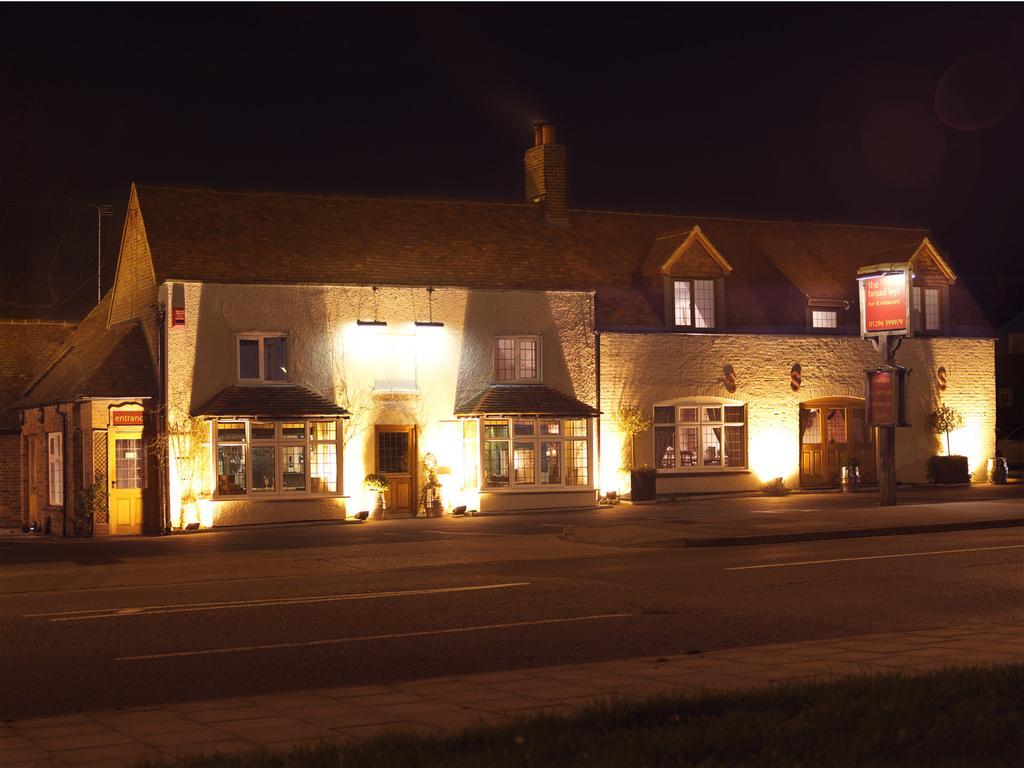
pixel 885 304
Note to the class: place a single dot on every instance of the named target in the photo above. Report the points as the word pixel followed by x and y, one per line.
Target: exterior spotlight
pixel 430 323
pixel 375 321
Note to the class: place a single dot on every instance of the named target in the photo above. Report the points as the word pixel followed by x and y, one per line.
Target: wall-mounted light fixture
pixel 430 323
pixel 375 321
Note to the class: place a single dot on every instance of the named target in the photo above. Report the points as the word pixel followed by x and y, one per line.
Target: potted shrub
pixel 947 469
pixel 631 421
pixel 377 484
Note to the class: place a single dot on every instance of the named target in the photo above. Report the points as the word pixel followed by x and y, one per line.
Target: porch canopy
pixel 524 400
pixel 276 402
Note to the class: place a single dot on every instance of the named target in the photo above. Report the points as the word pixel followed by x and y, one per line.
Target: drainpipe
pixel 161 416
pixel 64 469
pixel 597 387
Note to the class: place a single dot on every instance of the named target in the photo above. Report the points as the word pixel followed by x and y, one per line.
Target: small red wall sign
pixel 126 418
pixel 885 397
pixel 177 316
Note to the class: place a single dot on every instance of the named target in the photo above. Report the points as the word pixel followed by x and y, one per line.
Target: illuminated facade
pixel 476 354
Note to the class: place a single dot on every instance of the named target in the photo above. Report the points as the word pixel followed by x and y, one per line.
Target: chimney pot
pixel 538 134
pixel 548 133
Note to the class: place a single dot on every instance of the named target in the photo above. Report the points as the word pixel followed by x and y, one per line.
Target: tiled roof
pixel 215 236
pixel 269 402
pixel 95 362
pixel 524 399
pixel 26 346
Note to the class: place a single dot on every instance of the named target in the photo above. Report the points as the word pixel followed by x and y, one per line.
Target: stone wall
pixel 644 369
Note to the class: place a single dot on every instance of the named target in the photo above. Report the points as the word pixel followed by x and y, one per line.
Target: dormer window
pixel 926 313
pixel 262 357
pixel 694 303
pixel 517 359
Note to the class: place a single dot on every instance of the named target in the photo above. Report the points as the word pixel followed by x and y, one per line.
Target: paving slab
pixel 279 721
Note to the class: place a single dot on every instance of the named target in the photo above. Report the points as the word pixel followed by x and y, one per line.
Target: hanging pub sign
pixel 886 396
pixel 885 299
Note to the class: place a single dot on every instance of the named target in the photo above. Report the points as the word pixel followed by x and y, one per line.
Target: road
pixel 89 625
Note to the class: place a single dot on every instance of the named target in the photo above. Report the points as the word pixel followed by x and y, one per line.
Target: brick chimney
pixel 545 175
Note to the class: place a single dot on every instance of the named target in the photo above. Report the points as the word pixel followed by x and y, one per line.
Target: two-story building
pixel 297 343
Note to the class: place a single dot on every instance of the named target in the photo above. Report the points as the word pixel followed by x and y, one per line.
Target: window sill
pixel 702 472
pixel 280 497
pixel 523 491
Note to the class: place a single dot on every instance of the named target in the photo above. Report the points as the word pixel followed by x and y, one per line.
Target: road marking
pixel 152 610
pixel 469 533
pixel 367 638
pixel 872 557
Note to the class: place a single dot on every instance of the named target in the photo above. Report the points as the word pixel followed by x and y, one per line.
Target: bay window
pixel 277 458
pixel 696 435
pixel 529 452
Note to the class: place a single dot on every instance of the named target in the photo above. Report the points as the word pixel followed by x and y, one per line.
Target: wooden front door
pixel 126 477
pixel 395 456
pixel 830 435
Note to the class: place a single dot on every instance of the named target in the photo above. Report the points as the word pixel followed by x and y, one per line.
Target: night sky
pixel 907 115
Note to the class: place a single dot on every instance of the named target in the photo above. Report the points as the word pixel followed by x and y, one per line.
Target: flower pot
pixel 643 484
pixel 378 508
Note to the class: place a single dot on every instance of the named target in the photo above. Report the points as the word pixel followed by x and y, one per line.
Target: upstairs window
pixel 926 312
pixel 517 359
pixel 693 303
pixel 824 318
pixel 262 357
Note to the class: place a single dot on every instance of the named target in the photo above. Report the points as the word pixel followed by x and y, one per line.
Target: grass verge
pixel 971 716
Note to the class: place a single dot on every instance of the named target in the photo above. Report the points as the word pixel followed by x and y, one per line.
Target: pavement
pixel 283 721
pixel 806 517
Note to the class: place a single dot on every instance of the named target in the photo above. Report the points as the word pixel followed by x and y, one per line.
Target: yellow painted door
pixel 127 476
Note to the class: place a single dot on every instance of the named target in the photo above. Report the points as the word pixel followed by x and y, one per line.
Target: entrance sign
pixel 885 299
pixel 885 396
pixel 126 418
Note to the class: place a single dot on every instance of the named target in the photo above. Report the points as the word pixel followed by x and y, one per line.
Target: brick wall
pixel 546 180
pixel 35 504
pixel 10 480
pixel 643 369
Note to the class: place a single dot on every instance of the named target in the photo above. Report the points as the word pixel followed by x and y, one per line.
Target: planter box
pixel 948 470
pixel 643 484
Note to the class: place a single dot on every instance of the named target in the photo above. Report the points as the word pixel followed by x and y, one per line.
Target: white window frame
pixel 536 440
pixel 55 468
pixel 923 320
pixel 279 442
pixel 819 315
pixel 678 424
pixel 261 337
pixel 691 303
pixel 517 341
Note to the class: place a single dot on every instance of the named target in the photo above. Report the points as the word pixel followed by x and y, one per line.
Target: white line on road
pixel 469 533
pixel 871 557
pixel 367 638
pixel 151 610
